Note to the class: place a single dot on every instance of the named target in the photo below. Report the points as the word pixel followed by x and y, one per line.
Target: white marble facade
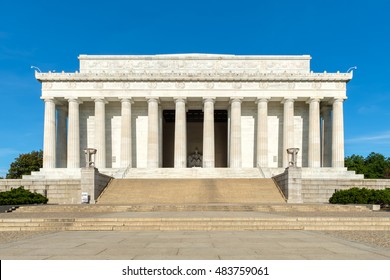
pixel 121 105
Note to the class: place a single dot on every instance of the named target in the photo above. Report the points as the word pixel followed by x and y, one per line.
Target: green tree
pixel 25 164
pixel 355 163
pixel 374 166
pixel 386 175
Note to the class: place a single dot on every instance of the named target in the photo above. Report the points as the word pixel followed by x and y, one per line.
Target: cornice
pixel 193 77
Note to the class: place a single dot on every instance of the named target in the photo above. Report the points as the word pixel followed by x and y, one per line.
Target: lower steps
pixel 266 208
pixel 197 224
pixel 191 191
pixel 163 217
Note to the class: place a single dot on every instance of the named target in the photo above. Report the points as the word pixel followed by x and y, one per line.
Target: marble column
pixel 100 132
pixel 153 133
pixel 314 145
pixel 61 153
pixel 126 144
pixel 262 132
pixel 208 133
pixel 235 133
pixel 73 159
pixel 180 152
pixel 288 128
pixel 326 136
pixel 49 135
pixel 338 134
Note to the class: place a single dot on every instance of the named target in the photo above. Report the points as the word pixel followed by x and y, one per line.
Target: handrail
pixel 261 170
pixel 126 171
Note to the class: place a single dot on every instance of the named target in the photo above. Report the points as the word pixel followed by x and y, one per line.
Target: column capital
pixel 209 99
pixel 236 99
pixel 48 99
pixel 288 99
pixel 313 99
pixel 262 99
pixel 180 99
pixel 100 99
pixel 126 99
pixel 338 99
pixel 73 99
pixel 152 99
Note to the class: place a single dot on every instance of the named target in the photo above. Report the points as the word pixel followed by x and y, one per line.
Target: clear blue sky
pixel 337 34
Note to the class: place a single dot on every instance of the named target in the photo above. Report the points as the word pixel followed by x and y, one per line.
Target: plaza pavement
pixel 176 245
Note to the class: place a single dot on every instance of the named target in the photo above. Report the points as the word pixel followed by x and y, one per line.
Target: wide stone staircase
pixel 193 204
pixel 191 191
pixel 188 217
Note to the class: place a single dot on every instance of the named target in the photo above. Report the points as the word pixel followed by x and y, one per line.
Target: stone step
pixel 239 223
pixel 190 191
pixel 101 208
pixel 190 173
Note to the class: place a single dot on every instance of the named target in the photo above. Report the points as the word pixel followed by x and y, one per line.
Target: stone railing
pixel 93 183
pixel 290 182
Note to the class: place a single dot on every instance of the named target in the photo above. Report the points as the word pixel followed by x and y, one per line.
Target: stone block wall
pixel 62 191
pixel 320 190
pixel 297 187
pixel 65 191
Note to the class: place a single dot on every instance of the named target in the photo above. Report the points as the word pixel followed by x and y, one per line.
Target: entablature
pixel 193 77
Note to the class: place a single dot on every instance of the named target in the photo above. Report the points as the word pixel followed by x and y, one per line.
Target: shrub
pixel 361 196
pixel 21 196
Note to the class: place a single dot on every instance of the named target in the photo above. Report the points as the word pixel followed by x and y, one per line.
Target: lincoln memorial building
pixel 193 116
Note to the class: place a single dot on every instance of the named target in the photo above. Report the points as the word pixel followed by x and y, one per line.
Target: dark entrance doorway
pixel 195 135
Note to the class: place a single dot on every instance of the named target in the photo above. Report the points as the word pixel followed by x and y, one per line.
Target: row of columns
pixel 55 151
pixel 334 128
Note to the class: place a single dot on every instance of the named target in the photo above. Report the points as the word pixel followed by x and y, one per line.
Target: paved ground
pixel 297 245
pixel 279 245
